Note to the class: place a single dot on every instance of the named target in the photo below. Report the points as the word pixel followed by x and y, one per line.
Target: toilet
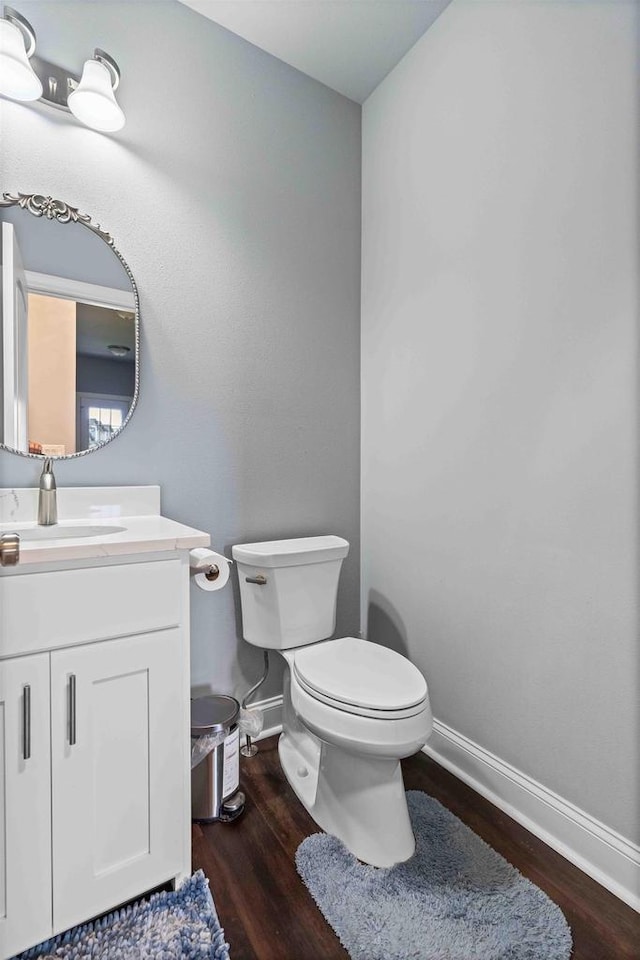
pixel 351 708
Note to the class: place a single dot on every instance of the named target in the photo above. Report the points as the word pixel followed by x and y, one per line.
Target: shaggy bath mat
pixel 180 925
pixel 456 899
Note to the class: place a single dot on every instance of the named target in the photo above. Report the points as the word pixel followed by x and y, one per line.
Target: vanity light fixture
pixel 24 76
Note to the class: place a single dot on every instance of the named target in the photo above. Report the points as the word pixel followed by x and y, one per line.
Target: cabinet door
pixel 25 803
pixel 119 761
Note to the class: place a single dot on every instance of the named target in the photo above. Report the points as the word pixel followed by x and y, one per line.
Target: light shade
pixel 17 79
pixel 93 101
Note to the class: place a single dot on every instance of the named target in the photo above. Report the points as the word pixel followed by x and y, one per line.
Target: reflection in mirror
pixel 69 333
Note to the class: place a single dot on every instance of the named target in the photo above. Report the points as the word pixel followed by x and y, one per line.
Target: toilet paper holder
pixel 209 569
pixel 213 572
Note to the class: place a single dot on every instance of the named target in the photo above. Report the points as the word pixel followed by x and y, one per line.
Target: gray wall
pixel 234 194
pixel 500 385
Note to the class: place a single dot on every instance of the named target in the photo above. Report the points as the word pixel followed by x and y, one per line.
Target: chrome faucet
pixel 47 496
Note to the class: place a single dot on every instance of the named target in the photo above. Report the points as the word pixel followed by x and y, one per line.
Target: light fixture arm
pixel 110 64
pixel 24 27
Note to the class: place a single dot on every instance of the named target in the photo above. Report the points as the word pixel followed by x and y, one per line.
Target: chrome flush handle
pixel 260 580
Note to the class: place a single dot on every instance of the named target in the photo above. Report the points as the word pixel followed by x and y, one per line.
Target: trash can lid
pixel 213 714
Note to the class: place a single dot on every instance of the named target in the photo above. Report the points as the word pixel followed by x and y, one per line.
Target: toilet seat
pixel 360 677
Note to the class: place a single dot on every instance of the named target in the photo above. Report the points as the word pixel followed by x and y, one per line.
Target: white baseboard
pixel 596 849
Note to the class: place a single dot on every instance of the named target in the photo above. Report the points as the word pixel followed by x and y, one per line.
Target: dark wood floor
pixel 268 913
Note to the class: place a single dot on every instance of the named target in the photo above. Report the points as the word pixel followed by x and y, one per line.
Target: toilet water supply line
pixel 250 723
pixel 253 719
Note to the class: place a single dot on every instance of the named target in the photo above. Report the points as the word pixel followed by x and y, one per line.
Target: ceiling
pixel 349 45
pixel 98 327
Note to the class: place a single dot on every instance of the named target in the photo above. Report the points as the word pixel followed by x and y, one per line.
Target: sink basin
pixel 63 531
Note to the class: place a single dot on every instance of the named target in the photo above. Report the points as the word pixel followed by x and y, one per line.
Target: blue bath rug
pixel 180 925
pixel 456 899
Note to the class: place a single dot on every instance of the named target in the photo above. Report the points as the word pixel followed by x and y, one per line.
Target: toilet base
pixel 359 799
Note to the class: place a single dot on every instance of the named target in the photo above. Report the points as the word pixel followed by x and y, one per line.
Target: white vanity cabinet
pixel 94 739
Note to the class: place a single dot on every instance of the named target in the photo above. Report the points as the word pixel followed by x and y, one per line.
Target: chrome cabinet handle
pixel 260 580
pixel 9 549
pixel 26 722
pixel 72 709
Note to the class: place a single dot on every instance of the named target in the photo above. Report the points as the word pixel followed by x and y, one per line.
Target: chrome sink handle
pixel 9 549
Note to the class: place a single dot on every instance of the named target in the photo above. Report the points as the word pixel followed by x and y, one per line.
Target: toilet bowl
pixel 351 709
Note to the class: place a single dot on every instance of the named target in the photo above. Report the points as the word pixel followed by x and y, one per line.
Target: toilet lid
pixel 361 674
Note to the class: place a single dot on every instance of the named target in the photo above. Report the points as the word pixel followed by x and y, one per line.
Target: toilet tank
pixel 296 603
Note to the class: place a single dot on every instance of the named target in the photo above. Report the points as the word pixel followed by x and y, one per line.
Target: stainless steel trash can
pixel 215 780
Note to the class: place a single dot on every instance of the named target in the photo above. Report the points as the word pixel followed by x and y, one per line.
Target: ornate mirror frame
pixel 41 206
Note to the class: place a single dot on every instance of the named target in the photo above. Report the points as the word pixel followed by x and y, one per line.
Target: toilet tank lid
pixel 290 553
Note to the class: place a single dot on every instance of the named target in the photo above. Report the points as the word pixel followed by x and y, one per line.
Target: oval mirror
pixel 69 331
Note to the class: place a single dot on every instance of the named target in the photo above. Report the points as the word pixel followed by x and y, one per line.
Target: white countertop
pixel 145 531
